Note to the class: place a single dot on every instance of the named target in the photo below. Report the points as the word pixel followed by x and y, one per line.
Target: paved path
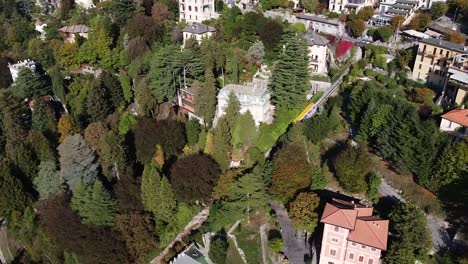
pixel 437 226
pixel 263 239
pixel 234 239
pixel 195 223
pixel 295 247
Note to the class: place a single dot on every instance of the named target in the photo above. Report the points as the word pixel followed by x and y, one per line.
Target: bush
pixel 370 73
pixel 275 245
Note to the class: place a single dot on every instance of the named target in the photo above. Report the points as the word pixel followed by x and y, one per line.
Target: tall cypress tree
pixel 205 102
pixel 291 75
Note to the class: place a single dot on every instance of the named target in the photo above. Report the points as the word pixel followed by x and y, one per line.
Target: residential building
pixel 193 11
pixel 69 33
pixel 455 122
pixel 348 5
pixel 197 31
pixel 39 27
pixel 322 24
pixel 318 51
pixel 193 254
pixel 385 5
pixel 15 68
pixel 432 60
pixel 86 4
pixel 351 234
pixel 186 101
pixel 86 69
pixel 253 96
pixel 456 83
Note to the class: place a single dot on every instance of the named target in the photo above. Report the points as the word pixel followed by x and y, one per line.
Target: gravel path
pixel 295 247
pixel 438 227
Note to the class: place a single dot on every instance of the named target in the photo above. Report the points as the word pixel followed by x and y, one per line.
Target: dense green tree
pixel 29 84
pixel 221 144
pixel 291 76
pixel 193 177
pixel 78 163
pixel 397 22
pixel 438 9
pixel 25 161
pixel 420 21
pixel 218 249
pixel 13 196
pixel 244 134
pixel 357 27
pixel 373 183
pixel 121 10
pixel 94 204
pixel 68 55
pixel 303 211
pixel 48 182
pixel 412 238
pixel 366 13
pixel 57 83
pixel 224 184
pixel 450 166
pixel 309 5
pixel 351 168
pixel 191 67
pixel 192 131
pixel 287 180
pixel 385 33
pixel 42 148
pixel 205 100
pixel 163 73
pixel 43 118
pixel 41 52
pixel 98 105
pixel 114 90
pixel 169 134
pixel 67 126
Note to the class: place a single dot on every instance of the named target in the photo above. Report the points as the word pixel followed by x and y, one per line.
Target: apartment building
pixel 318 51
pixel 351 234
pixel 321 24
pixel 193 11
pixel 348 5
pixel 433 60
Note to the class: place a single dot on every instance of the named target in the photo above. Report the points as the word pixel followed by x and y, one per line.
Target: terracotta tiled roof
pixel 370 231
pixel 364 228
pixel 459 116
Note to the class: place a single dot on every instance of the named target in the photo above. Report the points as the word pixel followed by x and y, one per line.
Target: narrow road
pixel 437 227
pixel 295 247
pixel 195 223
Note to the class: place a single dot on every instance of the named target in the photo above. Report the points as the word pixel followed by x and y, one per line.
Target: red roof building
pixel 351 234
pixel 455 122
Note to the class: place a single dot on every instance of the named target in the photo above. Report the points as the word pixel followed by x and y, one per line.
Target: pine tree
pixel 57 83
pixel 29 84
pixel 205 100
pixel 77 161
pixel 245 132
pixel 167 203
pixel 98 105
pixel 150 182
pixel 191 67
pixel 43 119
pixel 13 196
pixel 221 143
pixel 163 73
pixel 291 75
pixel 192 130
pixel 94 204
pixel 48 182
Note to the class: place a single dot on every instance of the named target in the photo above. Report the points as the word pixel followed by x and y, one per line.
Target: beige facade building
pixel 433 60
pixel 318 51
pixel 351 234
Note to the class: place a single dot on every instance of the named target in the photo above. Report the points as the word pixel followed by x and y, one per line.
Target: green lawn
pixel 233 256
pixel 249 241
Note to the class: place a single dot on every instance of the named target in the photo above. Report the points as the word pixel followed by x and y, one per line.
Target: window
pixel 189 8
pixel 334 240
pixel 447 54
pixel 363 247
pixel 351 255
pixel 361 259
pixel 420 66
pixel 434 51
pixel 441 51
pixel 354 244
pixel 332 252
pixel 329 262
pixel 371 261
pixel 196 9
pixel 373 249
pixel 337 229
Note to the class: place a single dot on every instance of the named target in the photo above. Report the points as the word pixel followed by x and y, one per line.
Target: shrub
pixel 275 245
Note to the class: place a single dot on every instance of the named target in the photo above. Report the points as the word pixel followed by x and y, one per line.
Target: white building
pixel 348 5
pixel 40 27
pixel 318 51
pixel 197 31
pixel 455 122
pixel 87 4
pixel 385 5
pixel 322 24
pixel 253 96
pixel 193 11
pixel 15 68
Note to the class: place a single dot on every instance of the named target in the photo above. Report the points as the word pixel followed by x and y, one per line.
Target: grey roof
pixel 75 29
pixel 397 11
pixel 318 19
pixel 314 38
pixel 410 2
pixel 257 87
pixel 198 28
pixel 445 44
pixel 400 6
